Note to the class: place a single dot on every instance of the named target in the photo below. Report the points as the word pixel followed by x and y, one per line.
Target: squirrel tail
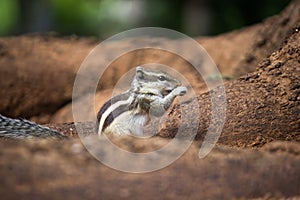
pixel 21 128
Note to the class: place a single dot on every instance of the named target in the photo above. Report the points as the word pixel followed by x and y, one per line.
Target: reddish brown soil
pixel 257 155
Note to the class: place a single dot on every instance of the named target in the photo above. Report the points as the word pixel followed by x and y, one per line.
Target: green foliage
pixel 232 14
pixel 8 16
pixel 78 16
pixel 103 18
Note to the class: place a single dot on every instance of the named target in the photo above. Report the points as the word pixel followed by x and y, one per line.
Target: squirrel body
pixel 152 92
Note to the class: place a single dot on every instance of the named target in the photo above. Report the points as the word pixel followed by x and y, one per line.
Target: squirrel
pixel 151 93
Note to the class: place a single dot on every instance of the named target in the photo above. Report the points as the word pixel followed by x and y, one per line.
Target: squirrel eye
pixel 162 78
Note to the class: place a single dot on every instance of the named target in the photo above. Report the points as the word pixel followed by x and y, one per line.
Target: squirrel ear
pixel 139 68
pixel 139 73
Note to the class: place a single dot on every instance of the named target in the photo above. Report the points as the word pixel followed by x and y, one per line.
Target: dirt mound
pixel 257 155
pixel 65 170
pixel 269 37
pixel 261 107
pixel 52 62
pixel 38 72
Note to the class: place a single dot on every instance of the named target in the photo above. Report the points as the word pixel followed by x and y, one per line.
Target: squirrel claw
pixel 180 91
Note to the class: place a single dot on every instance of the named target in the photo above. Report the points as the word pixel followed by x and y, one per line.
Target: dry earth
pixel 257 155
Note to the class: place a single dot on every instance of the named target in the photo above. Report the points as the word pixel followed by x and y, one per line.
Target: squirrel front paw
pixel 180 91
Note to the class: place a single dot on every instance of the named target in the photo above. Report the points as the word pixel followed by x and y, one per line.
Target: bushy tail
pixel 15 128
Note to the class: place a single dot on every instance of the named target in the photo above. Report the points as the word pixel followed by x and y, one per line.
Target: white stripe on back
pixel 111 109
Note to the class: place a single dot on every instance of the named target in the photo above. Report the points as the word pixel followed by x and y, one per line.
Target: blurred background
pixel 103 18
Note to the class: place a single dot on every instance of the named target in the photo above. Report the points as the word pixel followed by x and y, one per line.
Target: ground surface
pixel 256 157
